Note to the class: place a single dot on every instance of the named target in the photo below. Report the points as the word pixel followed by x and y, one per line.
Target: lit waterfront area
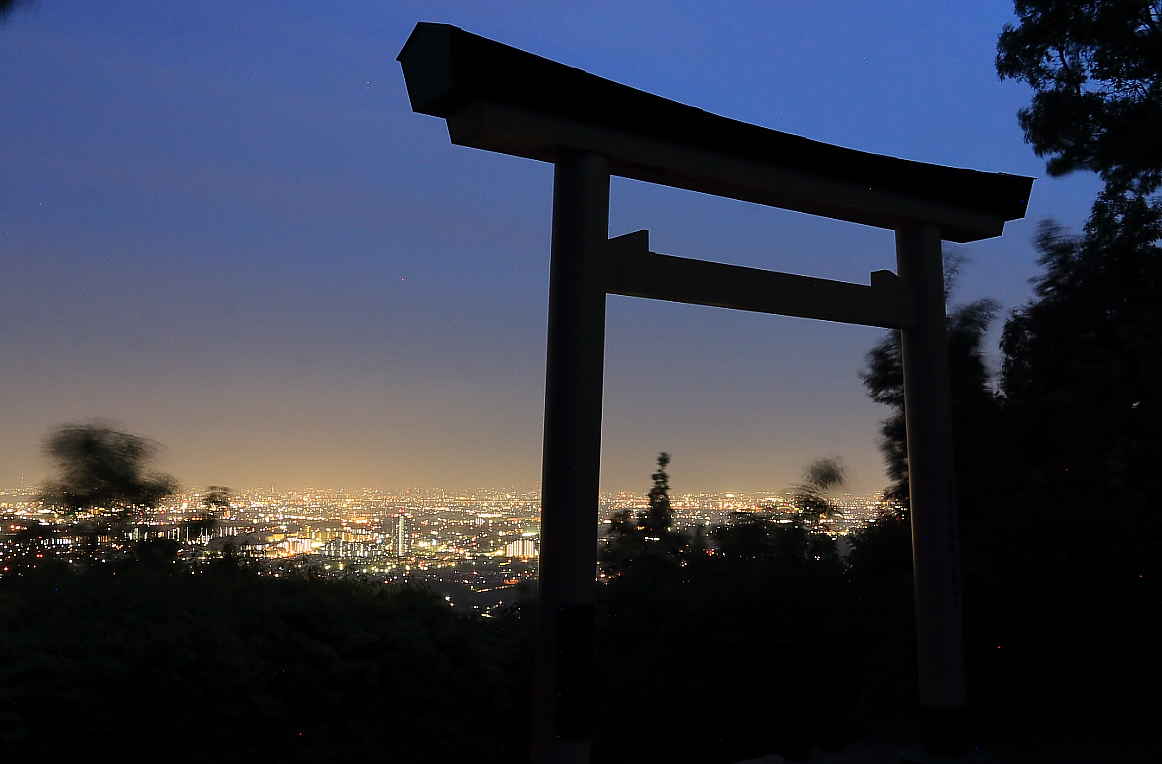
pixel 476 546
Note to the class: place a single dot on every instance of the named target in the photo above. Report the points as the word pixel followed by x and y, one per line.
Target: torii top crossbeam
pixel 502 99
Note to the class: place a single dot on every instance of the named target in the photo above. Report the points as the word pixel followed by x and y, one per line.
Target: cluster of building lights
pixel 379 532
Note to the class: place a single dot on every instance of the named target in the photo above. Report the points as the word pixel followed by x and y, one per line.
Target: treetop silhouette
pixel 101 468
pixel 1095 70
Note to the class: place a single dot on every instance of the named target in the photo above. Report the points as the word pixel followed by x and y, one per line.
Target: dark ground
pixel 1007 746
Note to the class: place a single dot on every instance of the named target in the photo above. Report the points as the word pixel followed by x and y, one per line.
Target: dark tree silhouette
pixel 660 516
pixel 1095 68
pixel 330 671
pixel 102 474
pixel 811 496
pixel 1081 368
pixel 101 468
pixel 7 6
pixel 647 538
pixel 750 640
pixel 785 541
pixel 975 408
pixel 215 499
pixel 1061 563
pixel 1082 371
pixel 1054 466
pixel 1057 475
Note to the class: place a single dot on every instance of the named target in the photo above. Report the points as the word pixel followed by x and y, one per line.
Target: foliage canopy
pixel 100 467
pixel 1096 70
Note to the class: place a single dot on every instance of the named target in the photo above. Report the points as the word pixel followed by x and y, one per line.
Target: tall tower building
pixel 400 537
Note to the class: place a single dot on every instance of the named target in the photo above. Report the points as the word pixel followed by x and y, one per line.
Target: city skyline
pixel 227 232
pixel 378 533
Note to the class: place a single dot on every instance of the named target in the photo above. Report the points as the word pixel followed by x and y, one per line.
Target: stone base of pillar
pixel 945 739
pixel 916 755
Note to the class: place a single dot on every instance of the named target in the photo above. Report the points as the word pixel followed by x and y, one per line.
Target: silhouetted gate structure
pixel 501 99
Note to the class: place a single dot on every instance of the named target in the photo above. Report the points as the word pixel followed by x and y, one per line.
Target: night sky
pixel 221 226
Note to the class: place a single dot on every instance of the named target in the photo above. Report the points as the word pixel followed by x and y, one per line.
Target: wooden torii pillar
pixel 498 98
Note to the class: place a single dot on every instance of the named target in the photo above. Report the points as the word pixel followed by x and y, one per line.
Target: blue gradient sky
pixel 222 226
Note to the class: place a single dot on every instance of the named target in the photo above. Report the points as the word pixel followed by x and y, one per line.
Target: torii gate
pixel 501 99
